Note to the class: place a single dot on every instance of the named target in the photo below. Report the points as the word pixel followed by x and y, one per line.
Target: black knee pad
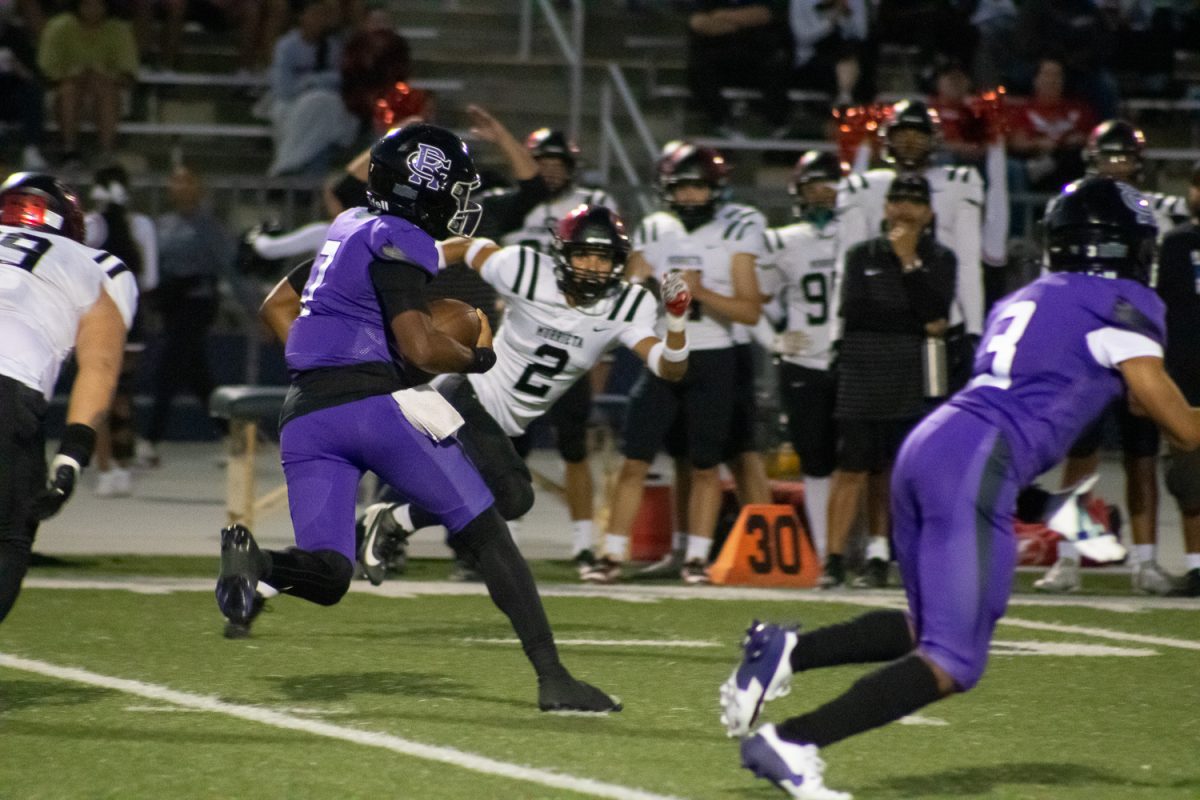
pixel 1183 480
pixel 342 572
pixel 319 576
pixel 514 497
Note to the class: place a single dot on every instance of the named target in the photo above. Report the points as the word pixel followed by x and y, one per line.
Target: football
pixel 456 319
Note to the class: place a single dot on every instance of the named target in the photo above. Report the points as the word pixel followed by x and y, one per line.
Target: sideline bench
pixel 244 407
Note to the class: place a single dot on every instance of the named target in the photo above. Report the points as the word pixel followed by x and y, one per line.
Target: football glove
pixel 675 294
pixel 791 343
pixel 1066 514
pixel 74 452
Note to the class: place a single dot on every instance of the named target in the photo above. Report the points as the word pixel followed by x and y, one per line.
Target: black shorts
pixel 569 415
pixel 808 397
pixel 870 445
pixel 705 399
pixel 743 432
pixel 22 476
pixel 1139 436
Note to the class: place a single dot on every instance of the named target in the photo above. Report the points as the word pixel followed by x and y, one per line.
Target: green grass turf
pixel 1038 727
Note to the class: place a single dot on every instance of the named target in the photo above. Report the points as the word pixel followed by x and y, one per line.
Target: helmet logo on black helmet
pixel 429 166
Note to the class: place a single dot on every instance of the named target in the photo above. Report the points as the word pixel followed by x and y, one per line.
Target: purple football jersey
pixel 1035 377
pixel 341 321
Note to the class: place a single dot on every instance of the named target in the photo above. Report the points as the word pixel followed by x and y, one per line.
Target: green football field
pixel 115 682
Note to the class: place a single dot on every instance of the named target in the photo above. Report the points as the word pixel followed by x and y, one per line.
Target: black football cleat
pixel 241 630
pixel 242 564
pixel 568 694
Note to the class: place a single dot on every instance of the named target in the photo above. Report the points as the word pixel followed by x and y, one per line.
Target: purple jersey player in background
pixel 363 324
pixel 1054 354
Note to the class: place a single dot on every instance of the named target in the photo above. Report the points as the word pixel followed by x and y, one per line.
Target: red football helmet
pixel 41 202
pixel 689 163
pixel 590 229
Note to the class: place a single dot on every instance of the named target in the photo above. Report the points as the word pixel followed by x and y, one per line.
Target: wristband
pixel 485 359
pixel 676 324
pixel 675 356
pixel 78 442
pixel 473 250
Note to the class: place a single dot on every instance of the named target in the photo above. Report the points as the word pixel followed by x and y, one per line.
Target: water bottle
pixel 933 354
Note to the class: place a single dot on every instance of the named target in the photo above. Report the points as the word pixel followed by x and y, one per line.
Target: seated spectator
pixel 375 59
pixel 827 36
pixel 934 27
pixel 89 57
pixel 258 24
pixel 738 43
pixel 1081 38
pixel 310 120
pixel 996 60
pixel 1048 132
pixel 21 90
pixel 1144 52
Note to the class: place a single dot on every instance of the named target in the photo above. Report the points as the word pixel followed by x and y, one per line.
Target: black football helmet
pixel 1115 148
pixel 41 202
pixel 912 115
pixel 590 229
pixel 424 174
pixel 548 143
pixel 1101 226
pixel 815 166
pixel 689 163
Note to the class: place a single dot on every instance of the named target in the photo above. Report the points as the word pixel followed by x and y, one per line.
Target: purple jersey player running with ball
pixel 1054 354
pixel 363 321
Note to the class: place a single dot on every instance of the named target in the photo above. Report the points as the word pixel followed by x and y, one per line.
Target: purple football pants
pixel 954 494
pixel 325 453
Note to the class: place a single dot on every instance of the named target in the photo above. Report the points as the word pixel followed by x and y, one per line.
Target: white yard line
pixel 1101 633
pixel 685 643
pixel 406 747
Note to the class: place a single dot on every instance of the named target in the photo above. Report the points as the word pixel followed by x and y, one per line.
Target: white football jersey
pixel 47 283
pixel 1169 210
pixel 537 231
pixel 666 245
pixel 545 344
pixel 957 201
pixel 800 263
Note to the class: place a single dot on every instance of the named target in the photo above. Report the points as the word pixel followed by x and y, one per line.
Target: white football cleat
pixel 764 674
pixel 1149 578
pixel 1060 578
pixel 795 768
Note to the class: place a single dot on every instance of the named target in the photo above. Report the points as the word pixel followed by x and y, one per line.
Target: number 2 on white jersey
pixel 324 258
pixel 1003 346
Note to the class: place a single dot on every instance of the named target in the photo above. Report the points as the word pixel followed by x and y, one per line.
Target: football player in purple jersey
pixel 364 324
pixel 1053 356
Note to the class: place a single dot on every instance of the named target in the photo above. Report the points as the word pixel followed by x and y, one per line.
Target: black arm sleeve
pixel 299 275
pixel 503 213
pixel 350 191
pixel 400 287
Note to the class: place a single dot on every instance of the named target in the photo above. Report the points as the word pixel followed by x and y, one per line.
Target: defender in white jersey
pixel 563 312
pixel 957 204
pixel 716 257
pixel 799 265
pixel 1116 149
pixel 56 295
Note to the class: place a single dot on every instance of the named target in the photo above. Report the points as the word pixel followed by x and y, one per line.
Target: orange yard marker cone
pixel 768 546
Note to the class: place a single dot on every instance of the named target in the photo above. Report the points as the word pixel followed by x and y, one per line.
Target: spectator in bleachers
pixel 934 27
pixel 996 60
pixel 257 24
pixel 1048 132
pixel 374 60
pixel 21 90
pixel 195 250
pixel 310 120
pixel 963 131
pixel 111 226
pixel 738 43
pixel 827 36
pixel 1145 34
pixel 90 57
pixel 1077 35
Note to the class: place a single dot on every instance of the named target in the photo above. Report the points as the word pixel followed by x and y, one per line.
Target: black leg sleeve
pixel 486 543
pixel 320 576
pixel 875 636
pixel 22 476
pixel 884 696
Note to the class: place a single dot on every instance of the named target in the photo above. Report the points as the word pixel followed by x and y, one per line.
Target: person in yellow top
pixel 89 56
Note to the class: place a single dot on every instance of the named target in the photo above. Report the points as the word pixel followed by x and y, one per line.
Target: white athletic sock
pixel 1193 561
pixel 816 506
pixel 266 590
pixel 1067 550
pixel 679 540
pixel 1143 553
pixel 877 547
pixel 697 548
pixel 402 515
pixel 581 536
pixel 616 546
